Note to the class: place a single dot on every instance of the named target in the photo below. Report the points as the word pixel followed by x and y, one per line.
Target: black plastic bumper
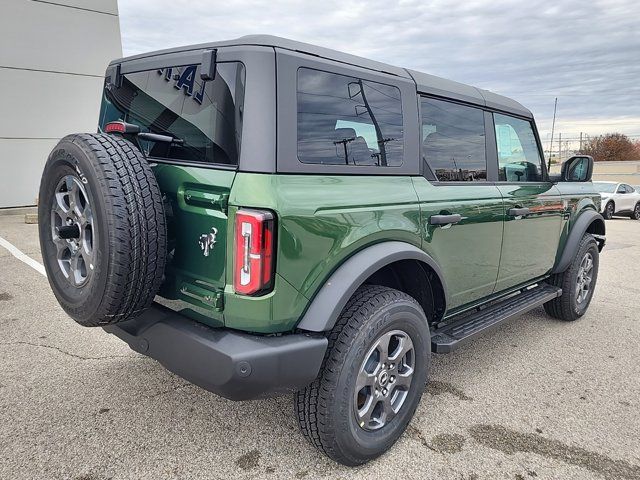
pixel 234 365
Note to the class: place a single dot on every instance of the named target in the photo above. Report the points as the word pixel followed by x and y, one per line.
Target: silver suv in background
pixel 619 199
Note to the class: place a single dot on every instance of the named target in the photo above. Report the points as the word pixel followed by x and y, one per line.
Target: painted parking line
pixel 13 250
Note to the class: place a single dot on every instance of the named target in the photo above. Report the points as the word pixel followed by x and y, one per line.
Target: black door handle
pixel 518 212
pixel 444 219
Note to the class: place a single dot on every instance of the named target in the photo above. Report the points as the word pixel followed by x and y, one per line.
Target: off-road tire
pixel 566 306
pixel 635 215
pixel 609 211
pixel 324 409
pixel 130 239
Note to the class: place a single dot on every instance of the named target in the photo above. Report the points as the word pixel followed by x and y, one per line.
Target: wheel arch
pixel 393 264
pixel 589 221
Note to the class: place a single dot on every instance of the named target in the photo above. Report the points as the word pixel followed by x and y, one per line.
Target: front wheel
pixel 578 282
pixel 609 210
pixel 372 377
pixel 636 212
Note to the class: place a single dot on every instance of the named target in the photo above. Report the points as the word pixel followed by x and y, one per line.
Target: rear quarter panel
pixel 321 221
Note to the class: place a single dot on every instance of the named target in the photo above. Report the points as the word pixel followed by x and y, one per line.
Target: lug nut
pixel 384 391
pixel 392 379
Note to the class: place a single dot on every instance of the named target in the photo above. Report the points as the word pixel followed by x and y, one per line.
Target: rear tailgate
pixel 196 207
pixel 197 123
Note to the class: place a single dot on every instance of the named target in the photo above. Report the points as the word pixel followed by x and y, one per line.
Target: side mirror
pixel 577 169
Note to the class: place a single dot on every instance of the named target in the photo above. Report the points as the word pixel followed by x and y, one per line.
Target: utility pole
pixel 581 142
pixel 381 139
pixel 560 147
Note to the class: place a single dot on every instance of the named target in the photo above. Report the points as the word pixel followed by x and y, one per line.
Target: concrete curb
pixel 18 211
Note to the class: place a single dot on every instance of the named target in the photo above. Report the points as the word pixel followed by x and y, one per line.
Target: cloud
pixel 585 53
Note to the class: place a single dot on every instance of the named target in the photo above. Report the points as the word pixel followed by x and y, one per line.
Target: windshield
pixel 604 187
pixel 206 116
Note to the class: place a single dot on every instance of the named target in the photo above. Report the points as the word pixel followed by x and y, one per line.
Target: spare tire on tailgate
pixel 102 228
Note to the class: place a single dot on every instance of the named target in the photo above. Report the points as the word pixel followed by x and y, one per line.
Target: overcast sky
pixel 587 53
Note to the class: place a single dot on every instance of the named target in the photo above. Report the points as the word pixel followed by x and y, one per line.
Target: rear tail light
pixel 253 262
pixel 121 127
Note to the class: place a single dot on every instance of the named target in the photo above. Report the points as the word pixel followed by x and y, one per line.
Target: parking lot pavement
pixel 537 398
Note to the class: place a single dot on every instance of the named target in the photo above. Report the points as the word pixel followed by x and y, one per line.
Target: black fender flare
pixel 331 298
pixel 579 228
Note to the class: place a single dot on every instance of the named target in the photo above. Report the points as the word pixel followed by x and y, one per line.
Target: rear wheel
pixel 609 210
pixel 372 378
pixel 102 228
pixel 578 282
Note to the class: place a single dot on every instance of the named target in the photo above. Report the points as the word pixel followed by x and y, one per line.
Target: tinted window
pixel 453 140
pixel 604 187
pixel 518 155
pixel 348 121
pixel 204 117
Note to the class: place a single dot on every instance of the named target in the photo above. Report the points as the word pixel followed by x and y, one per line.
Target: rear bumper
pixel 234 365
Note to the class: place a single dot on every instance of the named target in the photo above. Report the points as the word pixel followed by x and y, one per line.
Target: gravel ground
pixel 537 398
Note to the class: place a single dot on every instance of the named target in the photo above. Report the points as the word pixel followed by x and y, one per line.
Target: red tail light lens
pixel 253 262
pixel 121 127
pixel 115 127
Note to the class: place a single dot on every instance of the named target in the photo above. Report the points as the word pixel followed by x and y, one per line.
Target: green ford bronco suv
pixel 264 216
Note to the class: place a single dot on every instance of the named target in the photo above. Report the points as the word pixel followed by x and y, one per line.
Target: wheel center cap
pixel 383 378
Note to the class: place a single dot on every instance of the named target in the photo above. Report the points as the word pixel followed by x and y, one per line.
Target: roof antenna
pixel 553 126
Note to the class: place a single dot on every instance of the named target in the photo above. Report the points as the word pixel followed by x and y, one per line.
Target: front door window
pixel 519 158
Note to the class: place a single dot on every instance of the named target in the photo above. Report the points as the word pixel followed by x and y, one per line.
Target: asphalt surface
pixel 537 398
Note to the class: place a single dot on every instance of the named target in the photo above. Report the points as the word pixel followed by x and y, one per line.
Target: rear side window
pixel 205 117
pixel 518 155
pixel 345 120
pixel 453 141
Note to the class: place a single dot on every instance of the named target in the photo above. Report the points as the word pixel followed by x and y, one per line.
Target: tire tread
pixel 136 227
pixel 562 307
pixel 312 403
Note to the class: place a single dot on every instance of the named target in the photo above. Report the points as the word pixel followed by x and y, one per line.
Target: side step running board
pixel 458 332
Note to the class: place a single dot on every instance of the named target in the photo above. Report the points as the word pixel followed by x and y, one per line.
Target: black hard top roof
pixel 425 83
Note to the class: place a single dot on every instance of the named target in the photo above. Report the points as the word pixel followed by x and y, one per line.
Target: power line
pixel 577 138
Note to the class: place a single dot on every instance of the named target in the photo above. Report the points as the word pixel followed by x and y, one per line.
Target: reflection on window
pixel 348 121
pixel 604 187
pixel 205 117
pixel 518 155
pixel 453 140
pixel 578 170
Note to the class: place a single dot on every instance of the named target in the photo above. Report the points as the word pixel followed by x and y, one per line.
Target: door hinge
pixel 218 301
pixel 200 198
pixel 222 202
pixel 212 299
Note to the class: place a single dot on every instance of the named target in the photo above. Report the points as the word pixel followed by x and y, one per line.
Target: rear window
pixel 453 142
pixel 345 120
pixel 204 116
pixel 604 187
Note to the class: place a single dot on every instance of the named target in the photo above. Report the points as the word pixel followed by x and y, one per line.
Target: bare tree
pixel 611 147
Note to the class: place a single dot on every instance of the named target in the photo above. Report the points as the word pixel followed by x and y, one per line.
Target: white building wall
pixel 53 55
